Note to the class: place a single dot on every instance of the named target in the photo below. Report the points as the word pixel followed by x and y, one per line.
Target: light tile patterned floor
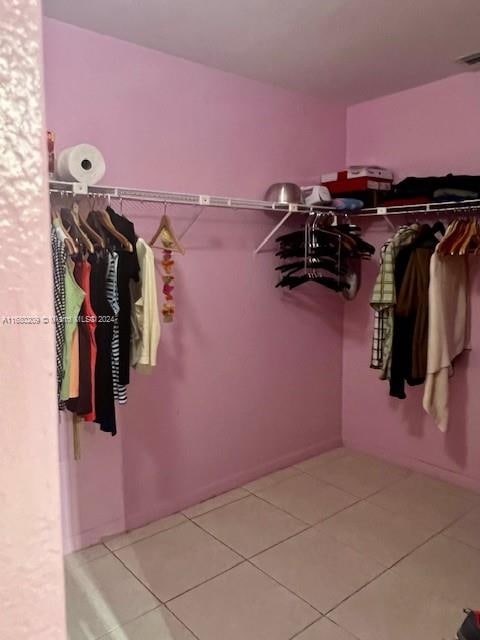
pixel 340 547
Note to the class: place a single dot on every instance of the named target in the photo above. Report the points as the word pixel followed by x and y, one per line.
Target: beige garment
pixel 145 317
pixel 448 330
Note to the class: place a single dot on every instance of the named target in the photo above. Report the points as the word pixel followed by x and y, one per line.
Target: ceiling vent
pixel 471 60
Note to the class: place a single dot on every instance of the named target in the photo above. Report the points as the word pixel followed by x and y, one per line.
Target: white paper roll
pixel 81 163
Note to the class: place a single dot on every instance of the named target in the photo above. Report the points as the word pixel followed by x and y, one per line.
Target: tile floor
pixel 340 547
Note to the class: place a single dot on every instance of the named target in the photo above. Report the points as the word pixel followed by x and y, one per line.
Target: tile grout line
pixel 200 584
pixel 308 526
pixel 123 624
pixel 392 567
pixel 215 508
pixel 181 622
pixel 150 535
pixel 270 504
pixel 159 607
pixel 387 486
pixel 322 617
pixel 299 472
pixel 138 579
pixel 286 588
pixel 310 624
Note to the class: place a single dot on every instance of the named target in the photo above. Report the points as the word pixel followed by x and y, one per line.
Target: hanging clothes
pixel 410 326
pixel 128 269
pixel 448 331
pixel 82 394
pixel 145 316
pixel 87 371
pixel 103 397
pixel 94 294
pixel 384 299
pixel 74 296
pixel 119 391
pixel 59 258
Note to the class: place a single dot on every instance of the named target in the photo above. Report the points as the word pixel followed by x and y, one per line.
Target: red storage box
pixel 357 184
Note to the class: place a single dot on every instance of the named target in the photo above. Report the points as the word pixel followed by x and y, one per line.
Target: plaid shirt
pixel 384 298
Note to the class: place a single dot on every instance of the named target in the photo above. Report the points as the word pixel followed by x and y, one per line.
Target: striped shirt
pixel 119 391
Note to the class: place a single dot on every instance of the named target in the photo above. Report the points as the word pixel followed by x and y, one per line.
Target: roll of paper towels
pixel 81 163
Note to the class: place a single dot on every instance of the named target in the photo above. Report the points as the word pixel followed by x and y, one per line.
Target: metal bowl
pixel 285 193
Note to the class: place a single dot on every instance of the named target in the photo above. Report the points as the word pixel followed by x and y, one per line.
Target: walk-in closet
pixel 239 320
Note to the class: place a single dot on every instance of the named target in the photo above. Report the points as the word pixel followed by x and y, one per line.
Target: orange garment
pixel 91 326
pixel 74 366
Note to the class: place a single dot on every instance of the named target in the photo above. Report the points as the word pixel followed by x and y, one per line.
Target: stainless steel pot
pixel 284 192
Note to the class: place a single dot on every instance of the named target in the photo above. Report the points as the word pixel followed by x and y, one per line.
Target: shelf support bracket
pixel 382 211
pixel 191 223
pixel 292 208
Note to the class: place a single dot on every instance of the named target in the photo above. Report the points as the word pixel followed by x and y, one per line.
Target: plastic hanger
pixel 167 236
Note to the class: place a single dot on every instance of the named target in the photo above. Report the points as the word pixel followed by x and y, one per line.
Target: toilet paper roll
pixel 81 163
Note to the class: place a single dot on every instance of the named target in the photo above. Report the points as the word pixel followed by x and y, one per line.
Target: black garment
pixel 104 401
pixel 128 269
pixel 412 186
pixel 470 629
pixel 403 342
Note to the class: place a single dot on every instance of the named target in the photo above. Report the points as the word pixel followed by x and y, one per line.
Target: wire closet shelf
pixel 224 202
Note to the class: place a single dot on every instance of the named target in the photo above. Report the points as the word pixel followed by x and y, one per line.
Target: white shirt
pixel 145 317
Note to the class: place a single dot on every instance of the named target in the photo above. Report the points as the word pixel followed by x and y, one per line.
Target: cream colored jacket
pixel 448 330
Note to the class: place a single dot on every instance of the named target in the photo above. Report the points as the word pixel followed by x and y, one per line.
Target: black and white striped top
pixel 119 391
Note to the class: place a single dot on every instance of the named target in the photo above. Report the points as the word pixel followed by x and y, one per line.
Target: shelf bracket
pixel 192 222
pixel 292 208
pixel 382 211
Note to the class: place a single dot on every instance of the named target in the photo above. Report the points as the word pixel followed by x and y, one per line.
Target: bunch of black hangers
pixel 323 252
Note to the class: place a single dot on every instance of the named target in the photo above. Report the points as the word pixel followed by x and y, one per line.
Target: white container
pixel 369 172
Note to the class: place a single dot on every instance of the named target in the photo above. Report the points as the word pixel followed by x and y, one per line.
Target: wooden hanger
pixel 448 240
pixel 75 211
pixel 96 238
pixel 471 238
pixel 462 237
pixel 167 235
pixel 69 242
pixel 106 222
pixel 73 228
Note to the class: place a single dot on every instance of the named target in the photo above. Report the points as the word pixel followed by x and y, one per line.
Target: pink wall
pixel 429 130
pixel 31 586
pixel 434 129
pixel 240 386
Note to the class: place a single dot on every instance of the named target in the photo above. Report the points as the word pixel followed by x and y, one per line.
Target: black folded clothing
pixel 412 186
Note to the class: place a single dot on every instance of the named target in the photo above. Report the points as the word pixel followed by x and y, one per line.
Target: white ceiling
pixel 347 50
